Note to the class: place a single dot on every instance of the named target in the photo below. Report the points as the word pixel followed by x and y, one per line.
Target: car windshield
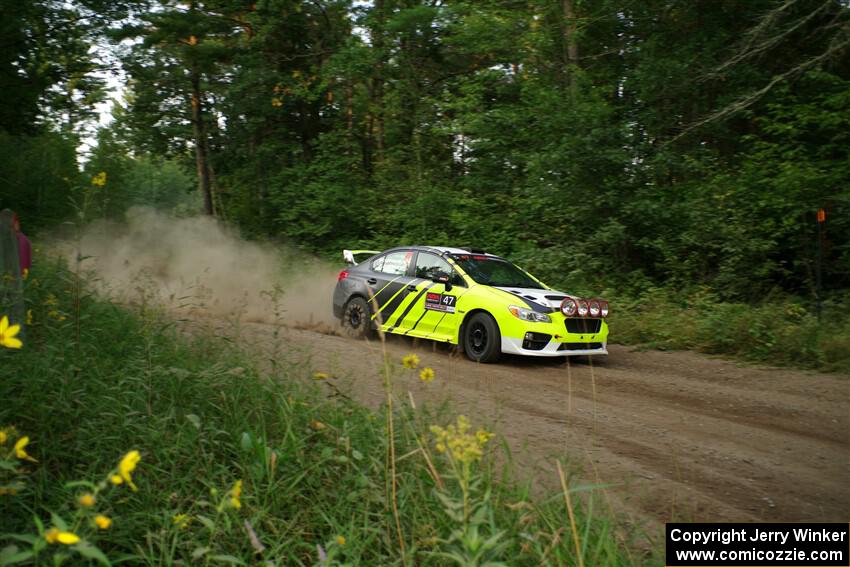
pixel 494 271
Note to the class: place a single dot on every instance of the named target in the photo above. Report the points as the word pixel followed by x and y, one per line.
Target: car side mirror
pixel 443 278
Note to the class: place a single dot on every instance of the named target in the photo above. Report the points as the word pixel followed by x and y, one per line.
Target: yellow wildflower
pixel 99 180
pixel 182 521
pixel 51 535
pixel 20 452
pixel 483 436
pixel 54 535
pixel 126 466
pixel 321 375
pixel 3 436
pixel 276 102
pixel 235 493
pixel 461 446
pixel 116 479
pixel 102 521
pixel 317 425
pixel 426 374
pixel 410 361
pixel 68 538
pixel 86 500
pixel 340 540
pixel 7 334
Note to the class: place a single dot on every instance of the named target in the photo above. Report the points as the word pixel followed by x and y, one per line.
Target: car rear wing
pixel 350 255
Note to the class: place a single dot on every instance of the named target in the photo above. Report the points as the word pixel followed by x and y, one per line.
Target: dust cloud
pixel 196 265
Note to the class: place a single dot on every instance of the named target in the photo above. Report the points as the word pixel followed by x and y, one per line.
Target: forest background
pixel 690 159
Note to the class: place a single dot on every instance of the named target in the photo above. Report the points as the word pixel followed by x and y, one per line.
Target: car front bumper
pixel 553 348
pixel 560 337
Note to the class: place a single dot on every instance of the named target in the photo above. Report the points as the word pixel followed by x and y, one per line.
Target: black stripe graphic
pixel 388 310
pixel 386 293
pixel 434 330
pixel 409 307
pixel 424 312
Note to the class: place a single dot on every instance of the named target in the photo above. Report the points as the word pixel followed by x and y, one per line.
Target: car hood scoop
pixel 544 297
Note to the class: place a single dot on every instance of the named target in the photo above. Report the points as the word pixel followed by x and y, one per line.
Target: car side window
pixel 394 263
pixel 378 263
pixel 428 265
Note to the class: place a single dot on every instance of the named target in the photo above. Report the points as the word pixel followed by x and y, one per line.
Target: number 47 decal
pixel 440 302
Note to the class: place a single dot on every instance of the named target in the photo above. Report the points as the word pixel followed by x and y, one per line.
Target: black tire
pixel 357 318
pixel 482 341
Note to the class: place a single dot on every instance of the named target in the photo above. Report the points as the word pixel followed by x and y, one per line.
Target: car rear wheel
pixel 357 318
pixel 482 341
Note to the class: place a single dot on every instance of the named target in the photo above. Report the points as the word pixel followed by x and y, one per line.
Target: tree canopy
pixel 617 143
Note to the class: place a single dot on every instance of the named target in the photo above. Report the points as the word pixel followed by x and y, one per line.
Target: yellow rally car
pixel 465 297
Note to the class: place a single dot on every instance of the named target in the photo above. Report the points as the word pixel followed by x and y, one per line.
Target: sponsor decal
pixel 440 302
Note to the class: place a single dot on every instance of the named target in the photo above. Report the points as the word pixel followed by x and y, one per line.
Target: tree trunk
pixel 201 157
pixel 378 79
pixel 570 41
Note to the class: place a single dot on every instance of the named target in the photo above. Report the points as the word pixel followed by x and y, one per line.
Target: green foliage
pixel 38 174
pixel 144 181
pixel 779 331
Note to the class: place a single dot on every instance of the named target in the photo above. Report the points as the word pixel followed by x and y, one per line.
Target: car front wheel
pixel 482 341
pixel 357 318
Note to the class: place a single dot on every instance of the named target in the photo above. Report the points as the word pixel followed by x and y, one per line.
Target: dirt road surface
pixel 680 436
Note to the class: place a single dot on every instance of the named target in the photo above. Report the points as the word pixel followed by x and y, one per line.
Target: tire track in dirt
pixel 680 436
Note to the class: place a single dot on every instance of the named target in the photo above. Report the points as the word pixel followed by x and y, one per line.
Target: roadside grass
pixel 242 465
pixel 781 331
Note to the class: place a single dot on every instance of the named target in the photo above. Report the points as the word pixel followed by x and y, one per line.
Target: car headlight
pixel 529 315
pixel 594 307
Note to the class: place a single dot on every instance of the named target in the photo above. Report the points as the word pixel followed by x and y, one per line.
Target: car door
pixel 387 282
pixel 433 311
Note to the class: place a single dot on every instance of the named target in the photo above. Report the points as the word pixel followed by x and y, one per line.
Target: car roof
pixel 444 250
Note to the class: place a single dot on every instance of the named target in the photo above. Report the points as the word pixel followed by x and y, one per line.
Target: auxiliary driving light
pixel 582 308
pixel 569 307
pixel 594 308
pixel 603 307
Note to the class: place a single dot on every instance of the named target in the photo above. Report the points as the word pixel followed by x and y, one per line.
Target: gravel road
pixel 680 436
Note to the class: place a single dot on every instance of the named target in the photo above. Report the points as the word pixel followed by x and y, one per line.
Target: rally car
pixel 467 297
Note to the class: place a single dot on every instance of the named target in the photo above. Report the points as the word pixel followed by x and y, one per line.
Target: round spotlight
pixel 582 308
pixel 603 306
pixel 594 307
pixel 569 307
